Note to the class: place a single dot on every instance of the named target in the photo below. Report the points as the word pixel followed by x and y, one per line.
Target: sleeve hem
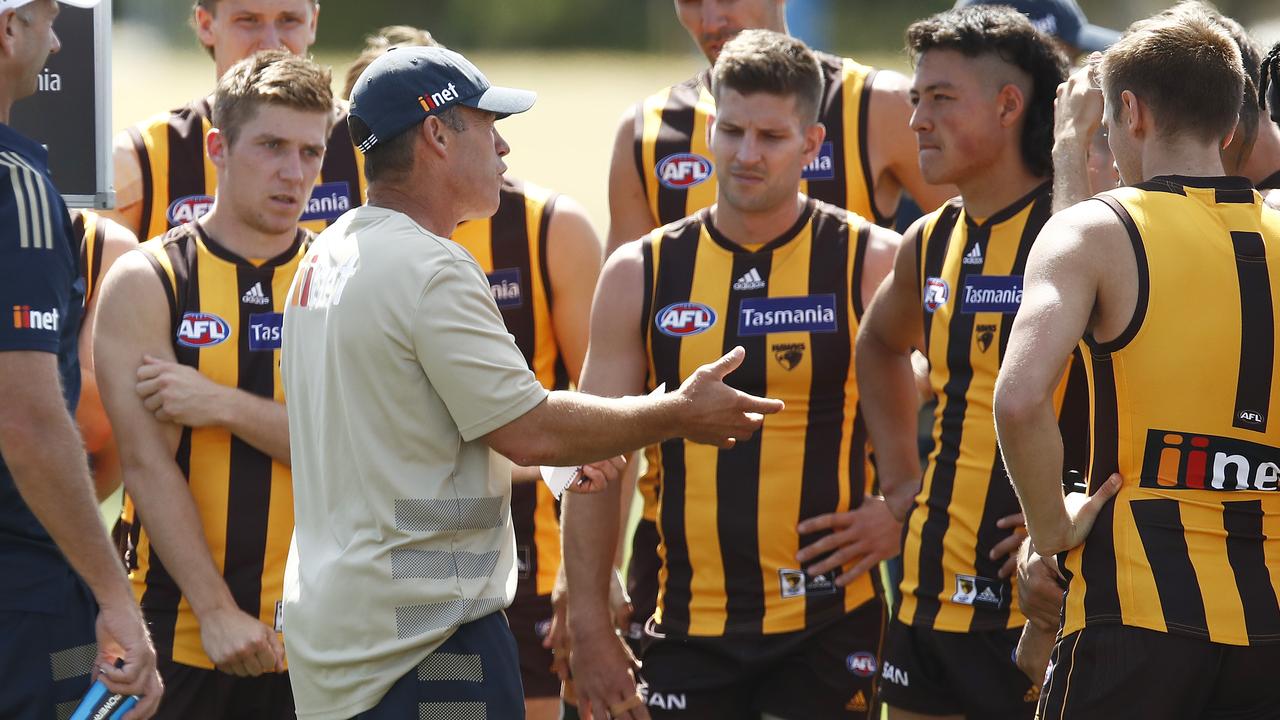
pixel 527 402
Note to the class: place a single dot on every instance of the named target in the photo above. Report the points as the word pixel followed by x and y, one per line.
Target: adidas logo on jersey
pixel 255 296
pixel 974 256
pixel 750 281
pixel 987 596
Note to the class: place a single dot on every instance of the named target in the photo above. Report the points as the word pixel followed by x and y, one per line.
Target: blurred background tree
pixel 847 26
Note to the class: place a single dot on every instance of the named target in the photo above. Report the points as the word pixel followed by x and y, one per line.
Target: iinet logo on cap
pixel 436 99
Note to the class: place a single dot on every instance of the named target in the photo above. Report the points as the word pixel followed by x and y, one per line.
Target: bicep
pixel 133 321
pixel 615 364
pixel 117 241
pixel 574 254
pixel 893 317
pixel 882 249
pixel 127 168
pixel 629 215
pixel 1059 290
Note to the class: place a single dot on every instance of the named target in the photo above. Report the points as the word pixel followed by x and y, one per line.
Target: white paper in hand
pixel 558 479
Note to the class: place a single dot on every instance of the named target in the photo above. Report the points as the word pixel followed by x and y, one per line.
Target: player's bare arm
pixel 573 263
pixel 891 328
pixel 629 216
pixel 128 184
pixel 861 538
pixel 90 416
pixel 1074 277
pixel 181 395
pixel 615 366
pixel 133 322
pixel 893 148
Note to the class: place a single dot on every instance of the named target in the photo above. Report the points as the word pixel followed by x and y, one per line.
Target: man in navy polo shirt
pixel 67 608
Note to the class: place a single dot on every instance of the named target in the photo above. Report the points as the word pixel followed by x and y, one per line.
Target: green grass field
pixel 564 143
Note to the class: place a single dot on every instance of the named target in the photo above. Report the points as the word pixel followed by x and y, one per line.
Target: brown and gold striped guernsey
pixel 226 314
pixel 970 274
pixel 672 133
pixel 179 179
pixel 88 227
pixel 727 518
pixel 1184 407
pixel 511 248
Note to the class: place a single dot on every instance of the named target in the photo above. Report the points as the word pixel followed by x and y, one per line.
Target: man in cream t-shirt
pixel 401 379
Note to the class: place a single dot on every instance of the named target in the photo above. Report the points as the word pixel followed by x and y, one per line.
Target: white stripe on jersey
pixel 35 200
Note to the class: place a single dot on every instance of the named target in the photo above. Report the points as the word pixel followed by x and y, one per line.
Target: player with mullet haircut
pixel 983 91
pixel 1168 284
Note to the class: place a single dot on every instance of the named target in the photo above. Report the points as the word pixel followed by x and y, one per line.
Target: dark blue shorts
pixel 474 674
pixel 46 660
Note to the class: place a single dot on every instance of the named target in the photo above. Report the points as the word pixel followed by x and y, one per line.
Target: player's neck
pixel 434 211
pixel 1264 158
pixel 756 228
pixel 1181 158
pixel 243 239
pixel 998 186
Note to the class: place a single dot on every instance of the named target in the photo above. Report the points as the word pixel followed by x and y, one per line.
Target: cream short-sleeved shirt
pixel 395 361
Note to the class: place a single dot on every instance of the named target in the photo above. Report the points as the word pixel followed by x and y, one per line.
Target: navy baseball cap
pixel 405 85
pixel 1062 19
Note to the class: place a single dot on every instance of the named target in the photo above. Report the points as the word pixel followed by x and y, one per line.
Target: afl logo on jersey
pixel 685 318
pixel 862 664
pixel 936 293
pixel 188 209
pixel 201 330
pixel 684 170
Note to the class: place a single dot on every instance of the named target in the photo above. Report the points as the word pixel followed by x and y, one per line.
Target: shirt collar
pixel 11 138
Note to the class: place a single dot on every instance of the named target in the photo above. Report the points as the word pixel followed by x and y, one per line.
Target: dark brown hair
pixel 978 30
pixel 769 62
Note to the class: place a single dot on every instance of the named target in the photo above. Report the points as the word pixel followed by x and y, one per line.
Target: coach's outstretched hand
pixel 716 414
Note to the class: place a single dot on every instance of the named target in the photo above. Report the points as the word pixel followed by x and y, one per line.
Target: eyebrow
pixel 934 86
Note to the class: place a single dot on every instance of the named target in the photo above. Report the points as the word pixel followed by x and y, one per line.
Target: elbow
pixel 1013 406
pixel 527 449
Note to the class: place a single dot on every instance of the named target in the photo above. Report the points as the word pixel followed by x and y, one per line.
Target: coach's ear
pixel 8 34
pixel 433 135
pixel 217 145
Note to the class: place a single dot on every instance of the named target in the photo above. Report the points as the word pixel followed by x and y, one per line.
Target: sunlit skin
pixel 265 177
pixel 478 181
pixel 37 43
pixel 956 121
pixel 1125 149
pixel 761 146
pixel 1102 167
pixel 237 29
pixel 712 23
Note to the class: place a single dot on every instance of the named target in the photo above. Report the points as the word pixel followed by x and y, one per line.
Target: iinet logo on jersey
pixel 24 318
pixel 1183 461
